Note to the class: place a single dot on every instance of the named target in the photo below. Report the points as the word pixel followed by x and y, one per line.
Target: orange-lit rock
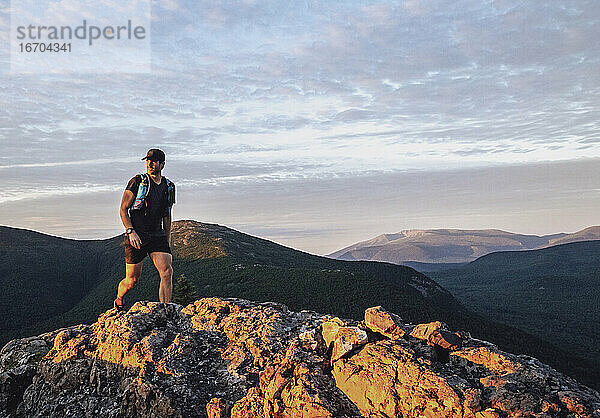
pixel 346 340
pixel 235 358
pixel 436 333
pixel 491 358
pixel 385 323
pixel 330 327
pixel 216 408
pixel 389 378
pixel 424 331
pixel 446 340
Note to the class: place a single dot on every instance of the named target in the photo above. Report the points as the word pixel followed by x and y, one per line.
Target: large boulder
pixel 236 358
pixel 389 378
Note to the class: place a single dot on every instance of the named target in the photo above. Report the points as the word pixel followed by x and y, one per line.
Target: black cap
pixel 155 154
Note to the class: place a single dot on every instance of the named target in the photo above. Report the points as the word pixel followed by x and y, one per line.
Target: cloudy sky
pixel 314 123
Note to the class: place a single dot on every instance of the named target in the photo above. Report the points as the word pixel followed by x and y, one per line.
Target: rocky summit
pixel 236 358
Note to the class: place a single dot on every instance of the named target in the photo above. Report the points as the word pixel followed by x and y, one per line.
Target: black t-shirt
pixel 148 223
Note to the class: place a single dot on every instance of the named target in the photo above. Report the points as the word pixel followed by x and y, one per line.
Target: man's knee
pixel 166 272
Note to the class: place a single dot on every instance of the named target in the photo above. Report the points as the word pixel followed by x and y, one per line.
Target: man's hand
pixel 135 240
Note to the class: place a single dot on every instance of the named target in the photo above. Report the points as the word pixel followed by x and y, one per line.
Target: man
pixel 146 215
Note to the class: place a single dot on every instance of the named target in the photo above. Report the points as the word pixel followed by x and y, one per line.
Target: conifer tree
pixel 183 291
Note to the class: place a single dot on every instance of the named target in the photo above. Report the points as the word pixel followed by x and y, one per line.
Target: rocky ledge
pixel 232 357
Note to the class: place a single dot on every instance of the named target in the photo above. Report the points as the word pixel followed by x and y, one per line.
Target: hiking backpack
pixel 144 188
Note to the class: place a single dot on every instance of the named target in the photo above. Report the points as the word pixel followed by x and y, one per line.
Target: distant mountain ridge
pixel 452 245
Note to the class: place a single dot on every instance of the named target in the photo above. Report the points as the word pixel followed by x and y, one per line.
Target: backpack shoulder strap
pixel 142 191
pixel 170 192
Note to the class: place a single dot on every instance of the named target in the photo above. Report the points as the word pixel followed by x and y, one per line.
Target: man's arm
pixel 167 218
pixel 167 226
pixel 126 203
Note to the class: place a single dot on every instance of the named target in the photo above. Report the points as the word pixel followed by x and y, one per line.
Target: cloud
pixel 444 80
pixel 354 115
pixel 277 104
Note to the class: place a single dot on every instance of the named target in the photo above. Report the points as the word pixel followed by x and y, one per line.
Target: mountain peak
pixel 197 240
pixel 452 245
pixel 232 357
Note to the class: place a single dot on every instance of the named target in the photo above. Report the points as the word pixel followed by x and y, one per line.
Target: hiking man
pixel 146 214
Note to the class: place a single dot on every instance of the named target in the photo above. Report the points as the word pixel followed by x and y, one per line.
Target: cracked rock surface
pixel 236 358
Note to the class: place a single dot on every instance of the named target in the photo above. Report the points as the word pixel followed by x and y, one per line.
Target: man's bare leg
pixel 132 274
pixel 163 263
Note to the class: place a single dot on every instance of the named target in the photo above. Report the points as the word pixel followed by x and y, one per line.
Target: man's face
pixel 154 166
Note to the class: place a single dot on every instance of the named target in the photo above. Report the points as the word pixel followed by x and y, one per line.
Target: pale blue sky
pixel 274 114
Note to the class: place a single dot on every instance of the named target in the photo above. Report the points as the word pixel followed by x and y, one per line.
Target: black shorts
pixel 150 245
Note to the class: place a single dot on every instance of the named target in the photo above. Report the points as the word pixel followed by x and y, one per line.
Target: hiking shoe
pixel 119 308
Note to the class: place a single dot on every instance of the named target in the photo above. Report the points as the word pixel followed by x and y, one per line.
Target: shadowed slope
pixel 552 293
